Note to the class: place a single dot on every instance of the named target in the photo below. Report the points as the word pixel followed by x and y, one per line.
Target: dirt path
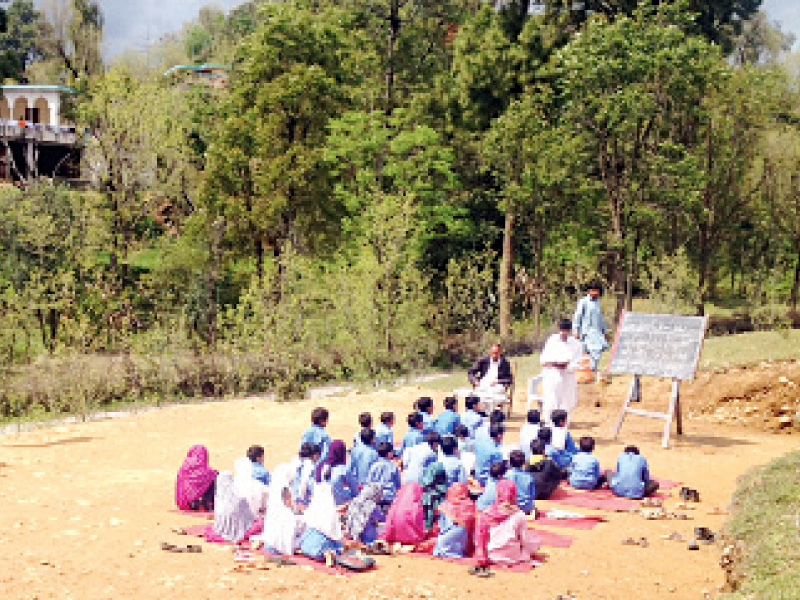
pixel 85 507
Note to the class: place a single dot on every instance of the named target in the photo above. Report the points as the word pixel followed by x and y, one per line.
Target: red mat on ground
pixel 584 523
pixel 596 499
pixel 205 531
pixel 470 562
pixel 194 513
pixel 552 540
pixel 666 484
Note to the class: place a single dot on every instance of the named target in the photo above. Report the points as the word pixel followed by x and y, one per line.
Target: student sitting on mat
pixel 584 472
pixel 425 408
pixel 497 416
pixel 282 526
pixel 336 471
pixel 488 451
pixel 434 490
pixel 316 434
pixel 194 486
pixel 414 434
pixel 456 523
pixel 385 473
pixel 471 417
pixel 529 432
pixel 404 522
pixel 632 478
pixel 364 514
pixel 448 419
pixel 466 449
pixel 362 457
pixel 546 474
pixel 383 432
pixel 417 459
pixel 526 485
pixel 561 447
pixel 496 472
pixel 451 461
pixel 364 422
pixel 501 533
pixel 322 537
pixel 256 456
pixel 305 465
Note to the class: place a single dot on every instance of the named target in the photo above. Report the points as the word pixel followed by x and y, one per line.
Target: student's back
pixel 417 459
pixel 488 495
pixel 632 475
pixel 446 422
pixel 362 458
pixel 526 486
pixel 487 451
pixel 384 472
pixel 454 469
pixel 527 433
pixel 584 471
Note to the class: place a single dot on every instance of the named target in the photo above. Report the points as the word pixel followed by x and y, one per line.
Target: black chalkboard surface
pixel 658 345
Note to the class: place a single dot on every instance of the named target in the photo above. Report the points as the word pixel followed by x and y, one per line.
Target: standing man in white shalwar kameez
pixel 560 357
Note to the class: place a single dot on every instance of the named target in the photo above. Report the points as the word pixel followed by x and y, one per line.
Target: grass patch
pixel 766 520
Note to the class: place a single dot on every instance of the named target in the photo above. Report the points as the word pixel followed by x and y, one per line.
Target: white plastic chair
pixel 533 392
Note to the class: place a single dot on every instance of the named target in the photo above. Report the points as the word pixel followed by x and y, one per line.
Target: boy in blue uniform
pixel 471 417
pixel 385 473
pixel 451 462
pixel 316 434
pixel 496 472
pixel 529 432
pixel 362 457
pixel 632 479
pixel 488 451
pixel 384 433
pixel 364 422
pixel 561 447
pixel 526 487
pixel 448 419
pixel 496 417
pixel 256 456
pixel 417 458
pixel 584 472
pixel 414 434
pixel 425 408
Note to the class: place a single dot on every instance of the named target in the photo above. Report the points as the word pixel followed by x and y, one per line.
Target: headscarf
pixel 434 490
pixel 404 523
pixel 458 507
pixel 361 508
pixel 232 514
pixel 504 506
pixel 322 515
pixel 280 523
pixel 247 487
pixel 337 455
pixel 194 477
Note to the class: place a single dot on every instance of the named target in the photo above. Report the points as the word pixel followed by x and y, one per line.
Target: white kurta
pixel 559 386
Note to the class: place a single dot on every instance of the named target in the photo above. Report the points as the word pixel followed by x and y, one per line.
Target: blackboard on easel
pixel 658 346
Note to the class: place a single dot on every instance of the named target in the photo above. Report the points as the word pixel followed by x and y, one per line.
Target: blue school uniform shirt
pixel 411 439
pixel 454 469
pixel 384 472
pixel 361 459
pixel 632 473
pixel 384 433
pixel 487 451
pixel 260 472
pixel 317 435
pixel 452 540
pixel 305 472
pixel 419 457
pixel 446 422
pixel 562 458
pixel 343 485
pixel 584 471
pixel 526 488
pixel 314 544
pixel 488 496
pixel 428 422
pixel 472 420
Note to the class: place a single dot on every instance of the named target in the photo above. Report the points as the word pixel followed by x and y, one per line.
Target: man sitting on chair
pixel 491 374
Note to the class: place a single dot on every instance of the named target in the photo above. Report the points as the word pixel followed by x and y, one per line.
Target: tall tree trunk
pixel 394 33
pixel 796 282
pixel 702 267
pixel 53 324
pixel 506 265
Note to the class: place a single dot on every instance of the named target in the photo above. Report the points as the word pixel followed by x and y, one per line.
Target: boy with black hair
pixel 448 419
pixel 316 434
pixel 305 465
pixel 632 478
pixel 546 474
pixel 417 458
pixel 497 417
pixel 529 431
pixel 451 462
pixel 364 422
pixel 487 451
pixel 256 456
pixel 496 472
pixel 414 434
pixel 471 417
pixel 385 473
pixel 465 442
pixel 384 433
pixel 584 472
pixel 526 486
pixel 561 447
pixel 363 456
pixel 425 407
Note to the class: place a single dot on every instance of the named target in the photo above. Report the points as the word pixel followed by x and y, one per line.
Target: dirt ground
pixel 86 506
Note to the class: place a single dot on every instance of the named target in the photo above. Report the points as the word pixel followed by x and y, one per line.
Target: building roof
pixel 198 68
pixel 37 88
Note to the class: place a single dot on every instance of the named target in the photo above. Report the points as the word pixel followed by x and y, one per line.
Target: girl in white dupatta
pixel 233 516
pixel 249 488
pixel 322 539
pixel 282 527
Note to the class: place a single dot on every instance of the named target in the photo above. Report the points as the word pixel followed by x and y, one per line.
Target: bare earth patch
pixel 85 506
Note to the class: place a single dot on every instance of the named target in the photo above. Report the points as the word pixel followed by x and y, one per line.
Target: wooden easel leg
pixel 678 417
pixel 633 391
pixel 673 406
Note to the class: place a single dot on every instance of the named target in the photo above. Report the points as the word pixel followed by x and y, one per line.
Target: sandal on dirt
pixel 179 531
pixel 675 536
pixel 693 545
pixel 630 542
pixel 643 542
pixel 281 561
pixel 483 572
pixel 377 550
pixel 189 548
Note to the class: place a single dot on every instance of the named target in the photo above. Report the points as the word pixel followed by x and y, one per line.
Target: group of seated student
pixel 327 501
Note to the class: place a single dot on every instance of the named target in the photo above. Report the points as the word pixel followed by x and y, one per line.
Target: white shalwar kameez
pixel 559 386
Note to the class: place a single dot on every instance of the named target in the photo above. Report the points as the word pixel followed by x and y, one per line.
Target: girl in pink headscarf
pixel 404 523
pixel 194 488
pixel 501 534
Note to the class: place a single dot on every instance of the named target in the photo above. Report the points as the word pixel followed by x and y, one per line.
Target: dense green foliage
pixel 385 184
